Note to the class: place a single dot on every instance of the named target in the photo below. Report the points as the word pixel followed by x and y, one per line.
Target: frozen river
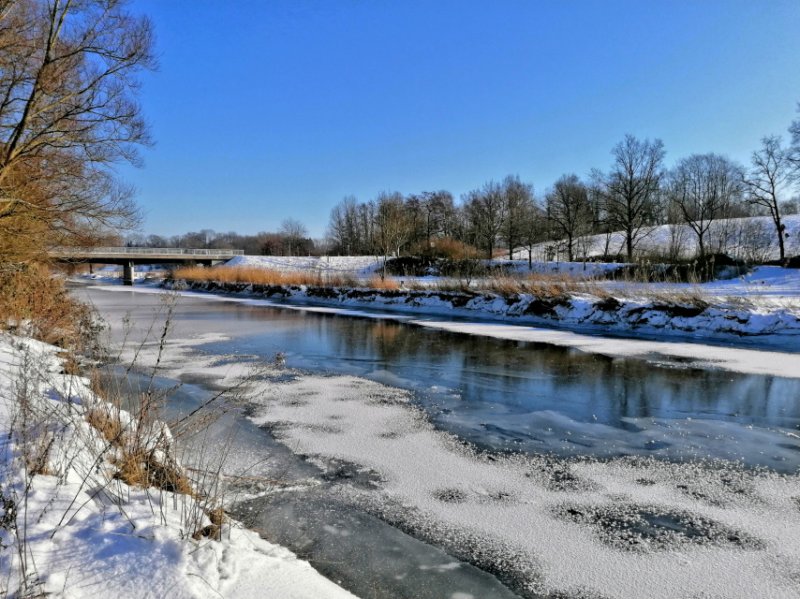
pixel 568 420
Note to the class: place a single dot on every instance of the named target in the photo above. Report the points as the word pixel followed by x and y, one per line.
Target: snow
pixel 752 239
pixel 353 265
pixel 530 517
pixel 508 507
pixel 89 535
pixel 761 306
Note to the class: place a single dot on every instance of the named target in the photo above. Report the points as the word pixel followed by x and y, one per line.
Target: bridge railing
pixel 127 251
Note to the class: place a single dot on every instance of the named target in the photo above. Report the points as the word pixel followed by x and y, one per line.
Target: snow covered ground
pixel 352 265
pixel 577 528
pixel 75 531
pixel 752 239
pixel 625 529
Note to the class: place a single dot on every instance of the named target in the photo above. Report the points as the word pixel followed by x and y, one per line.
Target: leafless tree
pixel 568 210
pixel 394 227
pixel 486 213
pixel 631 189
pixel 68 111
pixel 703 187
pixel 294 235
pixel 533 228
pixel 344 229
pixel 794 146
pixel 437 209
pixel 768 182
pixel 517 197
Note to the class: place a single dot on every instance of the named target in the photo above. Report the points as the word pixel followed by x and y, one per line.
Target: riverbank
pixel 71 526
pixel 544 525
pixel 677 312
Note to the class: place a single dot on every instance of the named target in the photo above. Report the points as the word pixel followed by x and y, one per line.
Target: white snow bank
pixel 753 239
pixel 728 320
pixel 353 265
pixel 87 534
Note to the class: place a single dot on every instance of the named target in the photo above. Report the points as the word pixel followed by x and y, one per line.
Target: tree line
pixel 636 193
pixel 291 239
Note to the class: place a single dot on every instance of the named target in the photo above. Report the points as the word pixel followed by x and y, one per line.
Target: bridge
pixel 128 257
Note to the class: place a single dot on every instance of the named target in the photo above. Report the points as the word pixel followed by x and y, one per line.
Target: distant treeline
pixel 499 218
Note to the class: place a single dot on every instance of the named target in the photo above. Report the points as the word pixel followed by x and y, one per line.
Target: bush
pixel 34 302
pixel 708 268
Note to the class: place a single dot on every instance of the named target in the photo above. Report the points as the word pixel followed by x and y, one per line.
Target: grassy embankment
pixel 544 286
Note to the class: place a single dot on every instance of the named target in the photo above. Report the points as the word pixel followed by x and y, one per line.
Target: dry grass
pixel 375 282
pixel 106 423
pixel 140 468
pixel 34 302
pixel 549 286
pixel 678 297
pixel 262 276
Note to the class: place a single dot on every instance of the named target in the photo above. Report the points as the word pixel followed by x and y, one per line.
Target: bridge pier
pixel 127 273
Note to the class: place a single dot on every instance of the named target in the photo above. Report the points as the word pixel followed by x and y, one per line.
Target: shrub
pixel 34 302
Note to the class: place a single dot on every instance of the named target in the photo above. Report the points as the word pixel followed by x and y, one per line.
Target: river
pixel 508 401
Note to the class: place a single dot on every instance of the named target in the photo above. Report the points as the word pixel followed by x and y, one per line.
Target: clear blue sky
pixel 265 110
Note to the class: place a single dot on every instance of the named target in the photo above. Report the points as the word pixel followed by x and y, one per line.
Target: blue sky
pixel 266 110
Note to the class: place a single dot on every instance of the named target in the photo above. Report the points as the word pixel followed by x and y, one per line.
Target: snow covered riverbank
pixel 546 526
pixel 721 312
pixel 70 528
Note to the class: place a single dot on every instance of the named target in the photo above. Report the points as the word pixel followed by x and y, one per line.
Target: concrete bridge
pixel 128 257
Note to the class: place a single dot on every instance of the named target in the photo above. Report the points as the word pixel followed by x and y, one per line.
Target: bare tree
pixel 343 227
pixel 533 227
pixel 703 187
pixel 295 236
pixel 568 210
pixel 794 146
pixel 68 111
pixel 394 227
pixel 517 197
pixel 437 208
pixel 486 213
pixel 768 181
pixel 631 189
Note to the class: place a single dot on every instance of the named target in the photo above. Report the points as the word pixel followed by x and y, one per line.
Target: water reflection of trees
pixel 520 378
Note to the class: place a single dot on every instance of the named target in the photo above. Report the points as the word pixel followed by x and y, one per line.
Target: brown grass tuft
pixel 106 423
pixel 375 282
pixel 139 468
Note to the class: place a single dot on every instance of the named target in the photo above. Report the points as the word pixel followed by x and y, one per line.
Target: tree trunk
pixel 629 245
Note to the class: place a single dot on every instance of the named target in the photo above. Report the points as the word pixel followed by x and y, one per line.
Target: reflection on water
pixel 536 397
pixel 521 396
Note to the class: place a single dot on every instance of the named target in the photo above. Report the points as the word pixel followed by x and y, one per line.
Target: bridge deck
pixel 141 255
pixel 128 257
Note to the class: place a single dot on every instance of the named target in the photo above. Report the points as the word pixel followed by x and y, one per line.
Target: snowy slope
pixel 751 239
pixel 88 535
pixel 355 265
